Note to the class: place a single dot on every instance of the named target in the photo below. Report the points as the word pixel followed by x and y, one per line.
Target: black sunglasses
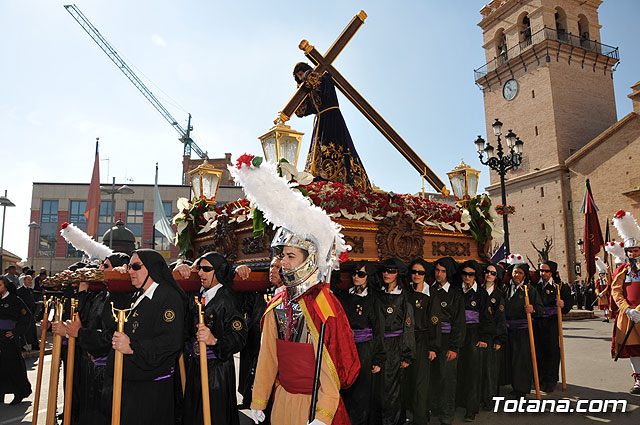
pixel 360 274
pixel 545 271
pixel 390 270
pixel 491 273
pixel 206 269
pixel 468 274
pixel 135 266
pixel 418 272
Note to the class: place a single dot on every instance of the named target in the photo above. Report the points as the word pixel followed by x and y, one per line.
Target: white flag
pixel 160 220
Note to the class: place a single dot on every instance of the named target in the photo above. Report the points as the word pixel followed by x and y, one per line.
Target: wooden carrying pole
pixel 204 370
pixel 561 342
pixel 71 353
pixel 117 372
pixel 43 339
pixel 532 344
pixel 55 369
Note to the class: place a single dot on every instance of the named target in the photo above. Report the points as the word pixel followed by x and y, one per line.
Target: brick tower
pixel 549 78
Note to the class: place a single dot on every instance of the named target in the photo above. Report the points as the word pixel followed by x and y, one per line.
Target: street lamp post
pixel 123 190
pixel 5 202
pixel 51 241
pixel 501 164
pixel 33 226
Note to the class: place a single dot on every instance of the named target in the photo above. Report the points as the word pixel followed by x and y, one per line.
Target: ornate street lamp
pixel 281 142
pixel 501 163
pixel 33 226
pixel 464 182
pixel 205 181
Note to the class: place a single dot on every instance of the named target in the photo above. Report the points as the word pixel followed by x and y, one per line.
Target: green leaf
pixel 257 161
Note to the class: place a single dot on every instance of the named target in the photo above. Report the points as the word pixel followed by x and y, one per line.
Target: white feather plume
pixel 627 226
pixel 83 242
pixel 515 259
pixel 617 250
pixel 602 267
pixel 285 207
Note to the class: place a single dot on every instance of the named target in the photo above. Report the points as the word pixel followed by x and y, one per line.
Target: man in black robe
pixel 546 327
pixel 224 333
pixel 151 341
pixel 444 368
pixel 14 321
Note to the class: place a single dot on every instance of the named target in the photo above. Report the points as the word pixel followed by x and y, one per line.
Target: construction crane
pixel 185 135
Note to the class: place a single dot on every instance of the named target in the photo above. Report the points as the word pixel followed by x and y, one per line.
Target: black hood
pixel 472 264
pixel 525 268
pixel 118 259
pixel 158 270
pixel 223 269
pixel 450 265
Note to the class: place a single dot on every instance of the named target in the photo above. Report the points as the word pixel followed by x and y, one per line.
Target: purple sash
pixel 99 361
pixel 472 316
pixel 7 325
pixel 362 335
pixel 393 333
pixel 445 327
pixel 517 324
pixel 169 375
pixel 550 310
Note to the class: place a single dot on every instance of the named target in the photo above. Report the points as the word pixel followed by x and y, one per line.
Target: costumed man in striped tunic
pixel 310 243
pixel 546 327
pixel 603 289
pixel 625 291
pixel 518 365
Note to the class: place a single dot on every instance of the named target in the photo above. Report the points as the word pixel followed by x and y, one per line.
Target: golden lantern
pixel 464 182
pixel 281 142
pixel 205 181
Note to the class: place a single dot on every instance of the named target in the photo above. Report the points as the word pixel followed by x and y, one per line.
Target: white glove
pixel 316 422
pixel 257 416
pixel 633 314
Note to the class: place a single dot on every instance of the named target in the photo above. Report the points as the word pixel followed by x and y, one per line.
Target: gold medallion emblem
pixel 169 316
pixel 237 325
pixel 493 300
pixel 473 303
pixel 389 310
pixel 434 320
pixel 443 304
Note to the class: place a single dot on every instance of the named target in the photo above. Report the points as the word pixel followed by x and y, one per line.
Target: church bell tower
pixel 549 78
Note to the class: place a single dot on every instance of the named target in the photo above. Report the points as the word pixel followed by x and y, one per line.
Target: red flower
pixel 620 214
pixel 244 159
pixel 343 257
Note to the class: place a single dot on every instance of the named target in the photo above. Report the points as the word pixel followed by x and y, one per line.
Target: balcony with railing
pixel 543 35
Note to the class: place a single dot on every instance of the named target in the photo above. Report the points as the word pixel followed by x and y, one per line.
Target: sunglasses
pixel 491 273
pixel 206 269
pixel 545 271
pixel 468 274
pixel 360 274
pixel 135 266
pixel 418 272
pixel 390 271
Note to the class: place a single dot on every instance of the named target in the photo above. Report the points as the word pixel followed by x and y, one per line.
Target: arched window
pixel 525 30
pixel 561 24
pixel 501 46
pixel 583 29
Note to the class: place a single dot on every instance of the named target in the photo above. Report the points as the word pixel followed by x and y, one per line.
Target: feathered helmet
pixel 617 250
pixel 628 229
pixel 602 267
pixel 83 242
pixel 301 224
pixel 514 259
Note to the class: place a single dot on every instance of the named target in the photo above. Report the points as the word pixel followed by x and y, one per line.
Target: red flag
pixel 593 241
pixel 92 210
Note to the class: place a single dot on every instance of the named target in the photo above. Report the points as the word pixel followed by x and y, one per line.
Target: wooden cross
pixel 324 64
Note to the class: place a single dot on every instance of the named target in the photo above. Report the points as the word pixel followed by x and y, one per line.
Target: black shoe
pixel 606 320
pixel 469 418
pixel 634 390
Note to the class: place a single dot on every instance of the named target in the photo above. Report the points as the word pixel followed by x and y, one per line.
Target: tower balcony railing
pixel 529 41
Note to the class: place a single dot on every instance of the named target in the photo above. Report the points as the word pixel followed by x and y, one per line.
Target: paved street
pixel 591 374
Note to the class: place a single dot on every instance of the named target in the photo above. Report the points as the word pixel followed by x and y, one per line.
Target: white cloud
pixel 158 40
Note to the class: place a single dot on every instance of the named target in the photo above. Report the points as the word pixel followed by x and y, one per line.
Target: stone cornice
pixel 533 176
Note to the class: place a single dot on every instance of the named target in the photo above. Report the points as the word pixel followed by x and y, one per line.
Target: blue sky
pixel 229 64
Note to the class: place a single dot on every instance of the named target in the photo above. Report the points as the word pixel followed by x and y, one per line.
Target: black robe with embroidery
pixel 227 325
pixel 427 313
pixel 546 333
pixel 399 344
pixel 492 358
pixel 14 318
pixel 363 313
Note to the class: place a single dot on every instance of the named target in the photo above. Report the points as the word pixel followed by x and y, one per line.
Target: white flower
pixel 182 204
pixel 465 217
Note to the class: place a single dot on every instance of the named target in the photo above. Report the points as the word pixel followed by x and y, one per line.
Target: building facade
pixel 55 203
pixel 549 78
